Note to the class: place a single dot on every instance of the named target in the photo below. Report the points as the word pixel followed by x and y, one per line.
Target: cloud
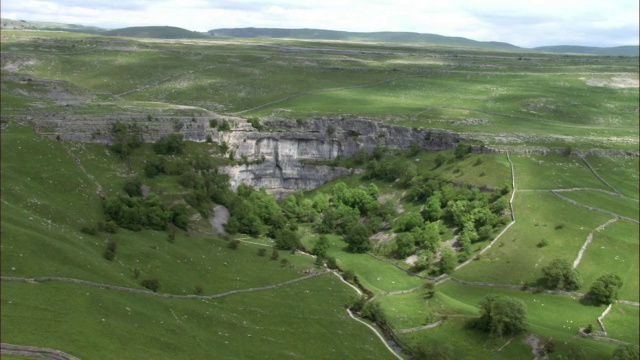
pixel 524 23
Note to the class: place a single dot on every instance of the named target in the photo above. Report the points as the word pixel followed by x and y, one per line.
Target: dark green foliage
pixel 358 239
pixel 256 124
pixel 275 255
pixel 440 159
pixel 332 263
pixel 321 246
pixel 262 252
pixel 89 230
pixel 213 123
pixel 437 352
pixel 224 126
pixel 605 288
pixel 171 144
pixel 405 245
pixel 502 316
pixel 287 240
pixel 462 150
pixel 151 284
pixel 331 130
pixel 560 275
pixel 626 352
pixel 409 222
pixel 373 311
pixel 138 213
pixel 448 261
pixel 110 250
pixel 198 290
pixel 125 138
pixel 133 187
pixel 233 244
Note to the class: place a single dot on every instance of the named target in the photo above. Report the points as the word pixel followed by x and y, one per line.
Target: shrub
pixel 233 244
pixel 89 230
pixel 110 250
pixel 262 252
pixel 198 290
pixel 151 284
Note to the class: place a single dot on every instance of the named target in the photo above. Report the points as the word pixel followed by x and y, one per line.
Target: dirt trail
pixel 537 349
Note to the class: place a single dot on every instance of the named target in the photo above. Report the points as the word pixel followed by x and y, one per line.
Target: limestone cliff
pixel 282 146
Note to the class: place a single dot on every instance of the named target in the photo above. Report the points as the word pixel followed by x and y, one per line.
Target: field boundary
pixel 149 292
pixel 594 209
pixel 32 351
pixel 576 262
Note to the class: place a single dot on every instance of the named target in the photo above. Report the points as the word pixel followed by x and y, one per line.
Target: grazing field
pixel 617 247
pixel 520 254
pixel 570 123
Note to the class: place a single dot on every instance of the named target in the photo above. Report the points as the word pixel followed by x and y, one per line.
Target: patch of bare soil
pixel 619 81
pixel 537 349
pixel 411 260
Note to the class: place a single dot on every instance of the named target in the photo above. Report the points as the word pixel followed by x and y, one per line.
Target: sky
pixel 525 23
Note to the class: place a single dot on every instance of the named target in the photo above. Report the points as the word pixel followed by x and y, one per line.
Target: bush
pixel 171 144
pixel 262 252
pixel 198 290
pixel 151 284
pixel 233 244
pixel 89 230
pixel 110 250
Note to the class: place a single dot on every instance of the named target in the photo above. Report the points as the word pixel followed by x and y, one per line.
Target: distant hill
pixel 410 37
pixel 9 24
pixel 156 32
pixel 572 49
pixel 385 36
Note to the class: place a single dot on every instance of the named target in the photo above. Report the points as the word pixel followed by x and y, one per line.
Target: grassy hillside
pixel 387 36
pixel 156 32
pixel 613 51
pixel 54 221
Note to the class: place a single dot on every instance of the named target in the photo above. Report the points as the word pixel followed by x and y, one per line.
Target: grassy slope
pixel 32 247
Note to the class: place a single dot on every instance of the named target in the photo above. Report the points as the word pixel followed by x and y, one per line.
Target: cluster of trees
pixel 135 212
pixel 501 316
pixel 126 138
pixel 559 274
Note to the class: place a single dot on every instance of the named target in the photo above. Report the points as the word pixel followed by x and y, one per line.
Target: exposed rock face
pixel 282 150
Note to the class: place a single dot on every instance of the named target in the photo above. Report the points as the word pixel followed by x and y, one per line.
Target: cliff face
pixel 282 147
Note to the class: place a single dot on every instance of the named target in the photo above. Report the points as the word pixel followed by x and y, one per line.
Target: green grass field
pixel 572 103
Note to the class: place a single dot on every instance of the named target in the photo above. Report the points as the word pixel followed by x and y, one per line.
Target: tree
pixel 502 316
pixel 625 352
pixel 447 261
pixel 287 240
pixel 321 246
pixel 462 150
pixel 151 284
pixel 358 239
pixel 169 144
pixel 405 244
pixel 605 288
pixel 560 275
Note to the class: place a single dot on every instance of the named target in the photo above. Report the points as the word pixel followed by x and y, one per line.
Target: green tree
pixel 287 240
pixel 321 246
pixel 502 316
pixel 605 288
pixel 448 261
pixel 151 284
pixel 560 275
pixel 405 245
pixel 358 239
pixel 171 144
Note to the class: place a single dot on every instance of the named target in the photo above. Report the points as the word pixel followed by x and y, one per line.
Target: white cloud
pixel 523 23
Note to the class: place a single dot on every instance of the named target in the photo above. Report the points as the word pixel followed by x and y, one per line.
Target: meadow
pixel 533 104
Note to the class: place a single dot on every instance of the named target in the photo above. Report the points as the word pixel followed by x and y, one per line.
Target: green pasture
pixel 621 172
pixel 614 250
pixel 537 172
pixel 518 256
pixel 305 320
pixel 375 275
pixel 618 205
pixel 558 317
pixel 623 323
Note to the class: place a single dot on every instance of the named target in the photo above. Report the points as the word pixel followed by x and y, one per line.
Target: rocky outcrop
pixel 281 154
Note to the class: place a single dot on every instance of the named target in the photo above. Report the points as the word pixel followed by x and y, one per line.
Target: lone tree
pixel 560 275
pixel 502 315
pixel 358 239
pixel 605 288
